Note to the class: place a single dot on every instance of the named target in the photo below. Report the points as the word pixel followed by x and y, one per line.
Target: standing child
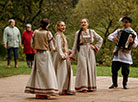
pixel 42 81
pixel 86 68
pixel 62 62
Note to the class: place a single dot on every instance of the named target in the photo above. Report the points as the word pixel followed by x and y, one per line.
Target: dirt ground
pixel 12 90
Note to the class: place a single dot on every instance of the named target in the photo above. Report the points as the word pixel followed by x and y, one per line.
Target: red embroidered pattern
pixel 40 89
pixel 94 87
pixel 44 93
pixel 51 39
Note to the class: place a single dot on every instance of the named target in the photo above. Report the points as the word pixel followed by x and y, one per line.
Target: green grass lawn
pixel 101 70
pixel 6 72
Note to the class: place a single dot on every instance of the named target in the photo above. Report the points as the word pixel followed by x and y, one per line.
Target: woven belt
pixel 85 44
pixel 125 50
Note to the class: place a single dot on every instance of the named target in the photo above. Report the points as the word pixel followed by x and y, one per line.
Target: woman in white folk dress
pixel 86 67
pixel 42 81
pixel 62 62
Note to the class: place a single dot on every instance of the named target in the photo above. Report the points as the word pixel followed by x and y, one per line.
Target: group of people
pixel 12 40
pixel 54 76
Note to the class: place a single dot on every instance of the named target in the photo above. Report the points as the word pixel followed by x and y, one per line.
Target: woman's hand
pixel 66 57
pixel 5 46
pixel 70 51
pixel 93 47
pixel 20 45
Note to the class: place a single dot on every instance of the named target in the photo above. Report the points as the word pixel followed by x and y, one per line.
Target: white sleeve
pixel 114 34
pixel 74 48
pixel 19 37
pixel 99 41
pixel 51 41
pixel 5 37
pixel 32 40
pixel 135 44
pixel 59 46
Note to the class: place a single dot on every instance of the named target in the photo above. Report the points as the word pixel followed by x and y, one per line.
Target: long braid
pixel 78 40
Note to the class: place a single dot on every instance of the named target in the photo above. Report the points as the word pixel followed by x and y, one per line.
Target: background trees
pixel 103 17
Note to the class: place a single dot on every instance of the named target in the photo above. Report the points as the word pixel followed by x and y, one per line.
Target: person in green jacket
pixel 12 41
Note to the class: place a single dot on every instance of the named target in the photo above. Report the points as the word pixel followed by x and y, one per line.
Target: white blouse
pixel 124 57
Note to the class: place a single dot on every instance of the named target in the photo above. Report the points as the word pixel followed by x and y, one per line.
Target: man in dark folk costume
pixel 122 53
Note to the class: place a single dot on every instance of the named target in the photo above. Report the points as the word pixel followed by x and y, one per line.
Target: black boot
pixel 125 86
pixel 113 86
pixel 125 79
pixel 114 80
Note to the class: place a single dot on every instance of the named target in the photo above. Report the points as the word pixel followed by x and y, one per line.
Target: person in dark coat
pixel 28 50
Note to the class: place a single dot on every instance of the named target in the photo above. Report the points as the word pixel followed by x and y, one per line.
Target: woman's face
pixel 28 28
pixel 84 23
pixel 12 24
pixel 62 27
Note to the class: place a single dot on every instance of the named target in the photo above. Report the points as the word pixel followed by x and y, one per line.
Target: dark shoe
pixel 113 86
pixel 125 80
pixel 70 93
pixel 90 91
pixel 125 86
pixel 42 96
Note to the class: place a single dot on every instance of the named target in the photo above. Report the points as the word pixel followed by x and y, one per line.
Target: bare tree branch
pixel 38 12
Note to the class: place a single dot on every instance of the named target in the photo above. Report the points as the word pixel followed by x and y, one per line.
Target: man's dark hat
pixel 127 19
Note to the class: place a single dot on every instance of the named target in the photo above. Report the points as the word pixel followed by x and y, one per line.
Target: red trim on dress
pixel 68 91
pixel 50 39
pixel 43 93
pixel 94 87
pixel 95 48
pixel 41 89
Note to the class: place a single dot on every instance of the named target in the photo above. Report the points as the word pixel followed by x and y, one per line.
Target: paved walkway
pixel 11 90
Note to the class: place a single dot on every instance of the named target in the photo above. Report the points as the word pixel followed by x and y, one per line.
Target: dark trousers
pixel 30 57
pixel 15 52
pixel 125 71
